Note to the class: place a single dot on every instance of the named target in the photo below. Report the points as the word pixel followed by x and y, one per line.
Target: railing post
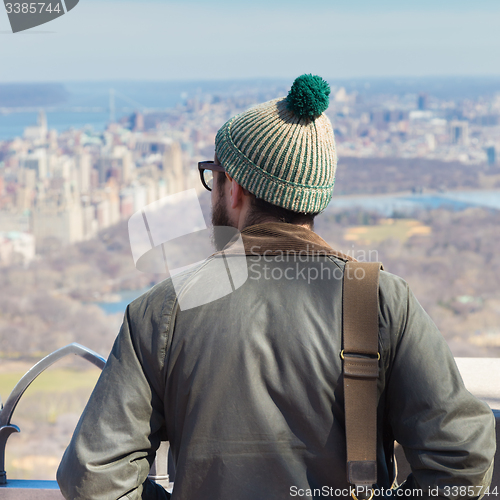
pixel 159 469
pixel 6 428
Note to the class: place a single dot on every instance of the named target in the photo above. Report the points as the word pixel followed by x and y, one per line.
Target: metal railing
pixel 50 489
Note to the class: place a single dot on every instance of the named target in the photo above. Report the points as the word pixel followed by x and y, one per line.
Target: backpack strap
pixel 361 370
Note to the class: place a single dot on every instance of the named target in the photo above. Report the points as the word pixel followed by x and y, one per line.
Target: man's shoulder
pixel 393 295
pixel 161 298
pixel 392 285
pixel 152 300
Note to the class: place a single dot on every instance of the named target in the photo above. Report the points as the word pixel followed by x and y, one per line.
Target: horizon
pixel 271 79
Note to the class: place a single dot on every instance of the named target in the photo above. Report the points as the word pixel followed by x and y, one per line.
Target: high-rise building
pixel 62 221
pixel 89 221
pixel 42 120
pixel 140 197
pixel 83 169
pixel 94 178
pixel 37 132
pixel 113 198
pixel 24 198
pixel 146 144
pixel 173 171
pixel 63 168
pixel 37 161
pixel 430 140
pixel 151 189
pixel 137 122
pixel 27 177
pixel 118 165
pixel 491 155
pixel 126 203
pixel 162 189
pixel 459 132
pixel 422 102
pixel 103 214
pixel 16 247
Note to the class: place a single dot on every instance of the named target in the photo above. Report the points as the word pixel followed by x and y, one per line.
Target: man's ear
pixel 235 194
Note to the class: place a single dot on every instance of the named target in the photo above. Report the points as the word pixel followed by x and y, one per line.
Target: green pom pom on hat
pixel 309 96
pixel 283 151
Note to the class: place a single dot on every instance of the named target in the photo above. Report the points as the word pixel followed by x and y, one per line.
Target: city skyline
pixel 71 184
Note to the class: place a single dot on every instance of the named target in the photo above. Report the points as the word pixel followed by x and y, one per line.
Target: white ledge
pixel 481 377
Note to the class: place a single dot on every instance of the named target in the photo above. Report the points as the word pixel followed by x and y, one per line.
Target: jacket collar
pixel 279 238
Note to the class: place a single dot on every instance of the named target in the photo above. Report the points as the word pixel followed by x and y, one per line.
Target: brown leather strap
pixel 361 368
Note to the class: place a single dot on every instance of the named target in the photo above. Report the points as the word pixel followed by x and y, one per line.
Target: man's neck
pixel 278 238
pixel 253 220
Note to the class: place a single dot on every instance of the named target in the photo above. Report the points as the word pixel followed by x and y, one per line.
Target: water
pixel 387 205
pixel 126 298
pixel 128 96
pixel 488 199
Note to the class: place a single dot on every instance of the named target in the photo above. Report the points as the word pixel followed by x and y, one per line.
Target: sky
pixel 157 40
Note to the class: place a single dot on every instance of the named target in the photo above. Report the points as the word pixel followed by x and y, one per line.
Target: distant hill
pixel 32 94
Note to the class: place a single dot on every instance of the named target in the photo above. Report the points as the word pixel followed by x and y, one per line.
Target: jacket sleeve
pixel 115 441
pixel 448 435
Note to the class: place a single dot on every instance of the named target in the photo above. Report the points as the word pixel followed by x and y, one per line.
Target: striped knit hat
pixel 283 150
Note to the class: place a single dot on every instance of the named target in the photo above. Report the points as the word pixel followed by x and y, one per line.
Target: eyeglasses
pixel 207 169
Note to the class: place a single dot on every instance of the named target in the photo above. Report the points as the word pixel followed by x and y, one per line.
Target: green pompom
pixel 308 96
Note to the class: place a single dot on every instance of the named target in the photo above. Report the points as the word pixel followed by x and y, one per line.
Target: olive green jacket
pixel 247 386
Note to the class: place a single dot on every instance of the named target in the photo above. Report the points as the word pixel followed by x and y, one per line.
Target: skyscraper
pixel 173 171
pixel 37 133
pixel 459 132
pixel 422 101
pixel 491 155
pixel 137 122
pixel 37 161
pixel 83 168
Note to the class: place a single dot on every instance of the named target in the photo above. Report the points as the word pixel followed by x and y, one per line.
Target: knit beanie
pixel 283 150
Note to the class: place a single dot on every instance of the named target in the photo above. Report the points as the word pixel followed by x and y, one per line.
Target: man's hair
pixel 261 210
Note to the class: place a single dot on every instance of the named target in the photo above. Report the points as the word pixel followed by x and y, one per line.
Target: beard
pixel 221 234
pixel 219 212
